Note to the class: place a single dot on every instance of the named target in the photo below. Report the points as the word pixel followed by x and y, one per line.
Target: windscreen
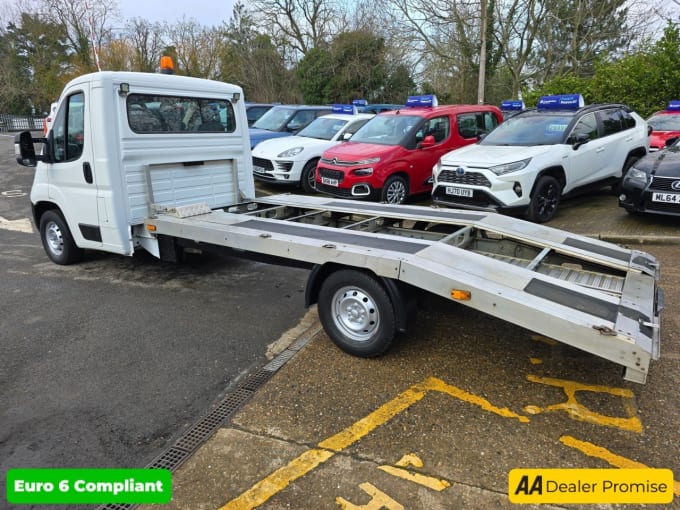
pixel 387 129
pixel 665 122
pixel 527 130
pixel 275 119
pixel 323 128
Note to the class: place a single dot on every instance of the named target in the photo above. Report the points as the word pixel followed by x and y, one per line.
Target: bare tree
pixel 197 48
pixel 146 42
pixel 302 24
pixel 87 25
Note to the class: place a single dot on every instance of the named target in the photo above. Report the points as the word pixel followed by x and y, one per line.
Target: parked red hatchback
pixel 391 157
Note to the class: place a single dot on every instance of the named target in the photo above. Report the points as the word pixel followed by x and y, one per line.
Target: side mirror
pixel 428 141
pixel 24 150
pixel 581 139
pixel 346 137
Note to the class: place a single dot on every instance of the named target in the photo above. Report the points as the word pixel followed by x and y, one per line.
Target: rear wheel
pixel 395 190
pixel 544 200
pixel 357 313
pixel 308 177
pixel 57 239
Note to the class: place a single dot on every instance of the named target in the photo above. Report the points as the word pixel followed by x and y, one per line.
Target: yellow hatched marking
pixel 426 481
pixel 613 459
pixel 278 480
pixel 410 460
pixel 379 500
pixel 578 411
pixel 303 464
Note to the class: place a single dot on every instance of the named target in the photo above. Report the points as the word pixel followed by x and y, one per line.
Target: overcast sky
pixel 206 12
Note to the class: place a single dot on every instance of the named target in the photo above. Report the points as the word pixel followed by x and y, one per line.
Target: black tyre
pixel 308 177
pixel 57 239
pixel 544 199
pixel 357 313
pixel 395 190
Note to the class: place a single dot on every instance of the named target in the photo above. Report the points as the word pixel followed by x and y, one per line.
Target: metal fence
pixel 20 122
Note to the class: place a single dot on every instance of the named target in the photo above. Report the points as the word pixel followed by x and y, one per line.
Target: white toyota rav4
pixel 532 160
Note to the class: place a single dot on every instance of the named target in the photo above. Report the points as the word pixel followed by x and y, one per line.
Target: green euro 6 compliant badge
pixel 591 486
pixel 71 486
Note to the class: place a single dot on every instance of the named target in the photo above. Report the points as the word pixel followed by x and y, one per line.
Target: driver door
pixel 71 175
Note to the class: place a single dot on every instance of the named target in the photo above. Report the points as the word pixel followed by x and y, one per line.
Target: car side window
pixel 438 127
pixel 586 125
pixel 69 129
pixel 612 121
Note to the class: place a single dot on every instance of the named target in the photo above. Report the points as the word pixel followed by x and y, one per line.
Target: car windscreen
pixel 387 129
pixel 526 130
pixel 665 122
pixel 323 128
pixel 275 119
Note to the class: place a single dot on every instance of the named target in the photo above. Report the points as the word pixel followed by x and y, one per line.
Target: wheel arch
pixel 41 208
pixel 556 172
pixel 402 295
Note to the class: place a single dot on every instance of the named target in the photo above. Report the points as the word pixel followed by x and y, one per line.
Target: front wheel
pixel 357 313
pixel 395 190
pixel 57 239
pixel 308 177
pixel 544 199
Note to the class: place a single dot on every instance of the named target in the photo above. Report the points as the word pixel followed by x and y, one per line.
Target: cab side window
pixel 69 129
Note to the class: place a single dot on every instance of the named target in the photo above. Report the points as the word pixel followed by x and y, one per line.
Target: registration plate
pixel 669 198
pixel 329 182
pixel 459 192
pixel 259 169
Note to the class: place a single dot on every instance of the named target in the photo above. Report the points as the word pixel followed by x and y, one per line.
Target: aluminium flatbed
pixel 589 294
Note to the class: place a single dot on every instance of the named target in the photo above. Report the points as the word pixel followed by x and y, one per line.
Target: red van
pixel 392 155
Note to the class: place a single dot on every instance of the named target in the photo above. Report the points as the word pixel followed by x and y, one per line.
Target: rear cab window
pixel 173 114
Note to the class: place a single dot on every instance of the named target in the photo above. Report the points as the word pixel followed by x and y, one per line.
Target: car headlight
pixel 368 161
pixel 637 175
pixel 506 168
pixel 363 172
pixel 291 152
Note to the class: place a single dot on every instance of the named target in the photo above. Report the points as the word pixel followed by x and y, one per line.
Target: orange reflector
pixel 151 228
pixel 461 295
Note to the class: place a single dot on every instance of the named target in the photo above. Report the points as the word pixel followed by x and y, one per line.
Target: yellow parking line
pixel 613 459
pixel 303 464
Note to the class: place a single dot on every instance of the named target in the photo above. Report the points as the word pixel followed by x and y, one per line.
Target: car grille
pixel 469 178
pixel 663 184
pixel 331 174
pixel 332 190
pixel 337 162
pixel 264 163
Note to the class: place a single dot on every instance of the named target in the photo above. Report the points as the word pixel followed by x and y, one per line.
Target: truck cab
pixel 115 137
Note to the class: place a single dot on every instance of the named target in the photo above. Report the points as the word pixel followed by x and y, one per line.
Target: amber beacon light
pixel 167 65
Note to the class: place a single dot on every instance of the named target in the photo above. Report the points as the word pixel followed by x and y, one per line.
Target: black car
pixel 652 184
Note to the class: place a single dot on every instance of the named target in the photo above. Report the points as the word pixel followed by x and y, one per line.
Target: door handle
pixel 87 173
pixel 601 149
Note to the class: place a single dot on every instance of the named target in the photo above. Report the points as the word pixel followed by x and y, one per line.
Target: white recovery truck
pixel 162 163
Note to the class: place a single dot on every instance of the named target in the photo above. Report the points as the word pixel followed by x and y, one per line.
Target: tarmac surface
pixel 441 419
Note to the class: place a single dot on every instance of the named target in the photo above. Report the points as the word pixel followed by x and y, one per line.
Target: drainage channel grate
pixel 202 430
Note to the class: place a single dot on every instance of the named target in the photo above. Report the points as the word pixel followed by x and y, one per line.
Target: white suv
pixel 530 161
